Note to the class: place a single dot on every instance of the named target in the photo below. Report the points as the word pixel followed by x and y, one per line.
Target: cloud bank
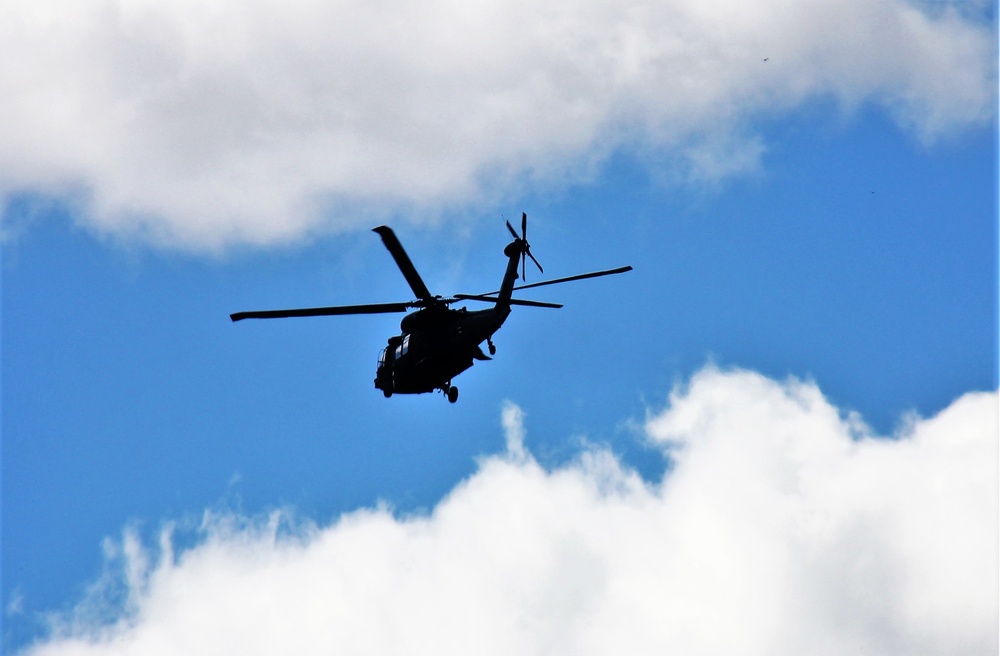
pixel 782 527
pixel 206 124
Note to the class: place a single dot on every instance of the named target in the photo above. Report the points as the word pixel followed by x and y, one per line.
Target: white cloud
pixel 203 124
pixel 782 528
pixel 512 420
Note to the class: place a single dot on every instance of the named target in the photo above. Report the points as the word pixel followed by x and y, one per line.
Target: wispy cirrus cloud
pixel 783 527
pixel 201 125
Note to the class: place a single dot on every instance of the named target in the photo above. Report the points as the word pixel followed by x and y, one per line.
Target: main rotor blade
pixel 403 262
pixel 376 308
pixel 582 276
pixel 513 301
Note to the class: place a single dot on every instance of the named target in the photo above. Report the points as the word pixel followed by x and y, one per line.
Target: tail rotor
pixel 522 240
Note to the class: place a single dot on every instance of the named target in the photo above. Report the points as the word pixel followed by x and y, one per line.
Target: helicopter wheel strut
pixel 451 392
pixel 492 347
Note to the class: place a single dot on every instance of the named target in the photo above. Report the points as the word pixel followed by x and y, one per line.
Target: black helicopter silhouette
pixel 438 343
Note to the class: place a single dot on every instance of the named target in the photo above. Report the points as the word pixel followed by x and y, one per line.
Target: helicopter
pixel 437 343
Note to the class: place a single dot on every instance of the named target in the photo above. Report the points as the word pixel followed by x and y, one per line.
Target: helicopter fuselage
pixel 436 344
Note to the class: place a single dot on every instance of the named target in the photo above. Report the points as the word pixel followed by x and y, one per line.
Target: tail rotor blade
pixel 540 269
pixel 513 233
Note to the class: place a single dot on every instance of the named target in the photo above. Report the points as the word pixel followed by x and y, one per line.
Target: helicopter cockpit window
pixel 403 347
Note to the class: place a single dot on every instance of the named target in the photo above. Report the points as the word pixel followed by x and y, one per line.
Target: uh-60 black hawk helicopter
pixel 437 342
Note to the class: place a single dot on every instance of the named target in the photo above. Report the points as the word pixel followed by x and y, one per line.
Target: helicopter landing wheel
pixel 452 394
pixel 386 393
pixel 492 346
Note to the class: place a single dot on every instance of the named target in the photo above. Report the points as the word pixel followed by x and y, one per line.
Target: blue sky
pixel 801 231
